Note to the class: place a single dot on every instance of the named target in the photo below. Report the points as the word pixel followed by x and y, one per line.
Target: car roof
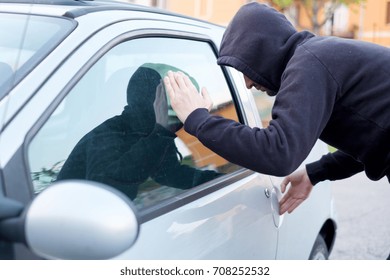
pixel 77 8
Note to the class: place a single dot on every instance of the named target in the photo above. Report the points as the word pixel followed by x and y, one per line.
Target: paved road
pixel 363 208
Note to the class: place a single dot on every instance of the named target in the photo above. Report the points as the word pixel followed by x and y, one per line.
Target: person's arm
pixel 333 166
pixel 302 108
pixel 123 161
pixel 171 172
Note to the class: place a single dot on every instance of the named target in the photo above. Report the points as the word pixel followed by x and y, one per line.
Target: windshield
pixel 25 40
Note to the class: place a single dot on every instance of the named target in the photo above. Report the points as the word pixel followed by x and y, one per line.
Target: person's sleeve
pixel 173 173
pixel 333 166
pixel 110 163
pixel 302 108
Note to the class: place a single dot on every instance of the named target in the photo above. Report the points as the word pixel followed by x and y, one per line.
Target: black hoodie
pixel 330 88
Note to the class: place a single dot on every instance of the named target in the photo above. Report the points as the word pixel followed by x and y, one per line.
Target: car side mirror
pixel 75 220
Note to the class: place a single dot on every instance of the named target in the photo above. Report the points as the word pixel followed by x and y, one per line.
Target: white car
pixel 94 164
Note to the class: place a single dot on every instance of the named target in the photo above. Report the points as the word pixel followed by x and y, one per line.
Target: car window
pixel 116 125
pixel 24 41
pixel 264 104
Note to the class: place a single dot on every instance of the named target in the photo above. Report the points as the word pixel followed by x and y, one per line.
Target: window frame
pixel 166 205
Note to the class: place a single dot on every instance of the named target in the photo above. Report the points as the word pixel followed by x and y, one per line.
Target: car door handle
pixel 275 195
pixel 267 192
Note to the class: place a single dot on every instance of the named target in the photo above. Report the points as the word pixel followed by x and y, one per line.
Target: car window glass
pixel 24 40
pixel 264 104
pixel 116 125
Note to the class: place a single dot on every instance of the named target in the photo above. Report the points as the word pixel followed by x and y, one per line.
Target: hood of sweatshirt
pixel 259 42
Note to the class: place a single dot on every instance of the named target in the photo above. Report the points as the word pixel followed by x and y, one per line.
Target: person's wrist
pixel 194 119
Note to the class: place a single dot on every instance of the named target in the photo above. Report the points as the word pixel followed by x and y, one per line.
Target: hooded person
pixel 327 88
pixel 126 150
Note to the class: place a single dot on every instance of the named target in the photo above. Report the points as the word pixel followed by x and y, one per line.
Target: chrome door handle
pixel 276 195
pixel 267 193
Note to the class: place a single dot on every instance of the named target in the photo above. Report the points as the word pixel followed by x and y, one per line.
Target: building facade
pixel 371 21
pixel 368 21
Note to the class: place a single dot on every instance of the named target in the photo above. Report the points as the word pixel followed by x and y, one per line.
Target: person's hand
pixel 184 96
pixel 299 190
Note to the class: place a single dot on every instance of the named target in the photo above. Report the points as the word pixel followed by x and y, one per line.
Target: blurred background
pixel 367 20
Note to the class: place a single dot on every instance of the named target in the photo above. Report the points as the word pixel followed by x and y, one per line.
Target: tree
pixel 318 11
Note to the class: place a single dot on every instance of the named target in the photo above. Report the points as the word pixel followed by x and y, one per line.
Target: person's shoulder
pixel 108 126
pixel 322 48
pixel 317 43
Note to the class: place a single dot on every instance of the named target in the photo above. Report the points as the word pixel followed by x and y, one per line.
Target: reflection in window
pixel 116 126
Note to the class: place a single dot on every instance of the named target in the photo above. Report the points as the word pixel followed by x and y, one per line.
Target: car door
pixel 225 212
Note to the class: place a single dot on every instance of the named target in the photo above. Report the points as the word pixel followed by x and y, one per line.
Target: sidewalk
pixel 363 208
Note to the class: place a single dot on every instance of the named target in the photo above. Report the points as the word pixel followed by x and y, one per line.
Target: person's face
pixel 249 84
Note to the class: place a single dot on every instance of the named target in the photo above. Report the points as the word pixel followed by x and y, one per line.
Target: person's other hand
pixel 184 96
pixel 298 192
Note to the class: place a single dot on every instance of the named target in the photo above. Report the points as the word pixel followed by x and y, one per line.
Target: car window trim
pixel 167 205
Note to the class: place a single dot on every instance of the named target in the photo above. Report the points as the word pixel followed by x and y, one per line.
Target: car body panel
pixel 319 208
pixel 213 227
